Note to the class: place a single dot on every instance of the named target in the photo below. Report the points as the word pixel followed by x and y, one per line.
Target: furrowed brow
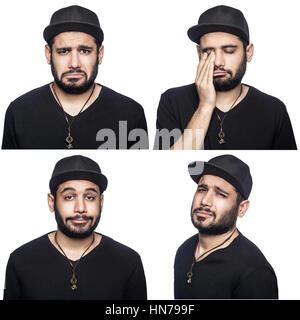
pixel 85 47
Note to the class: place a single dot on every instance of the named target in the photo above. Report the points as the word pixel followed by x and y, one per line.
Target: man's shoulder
pixel 182 91
pixel 265 99
pixel 249 253
pixel 111 96
pixel 30 98
pixel 30 247
pixel 188 245
pixel 119 250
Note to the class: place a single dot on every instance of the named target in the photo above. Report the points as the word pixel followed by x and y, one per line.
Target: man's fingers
pixel 200 64
pixel 210 73
pixel 209 63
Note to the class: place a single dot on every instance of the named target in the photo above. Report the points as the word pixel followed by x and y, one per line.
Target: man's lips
pixel 219 73
pixel 205 214
pixel 74 75
pixel 79 220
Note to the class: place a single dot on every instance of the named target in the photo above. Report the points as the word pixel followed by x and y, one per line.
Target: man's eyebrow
pixel 233 46
pixel 67 189
pixel 64 48
pixel 82 46
pixel 202 185
pixel 92 189
pixel 227 46
pixel 221 190
pixel 207 49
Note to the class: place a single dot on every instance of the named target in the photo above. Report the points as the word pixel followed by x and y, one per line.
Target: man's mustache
pixel 79 216
pixel 204 209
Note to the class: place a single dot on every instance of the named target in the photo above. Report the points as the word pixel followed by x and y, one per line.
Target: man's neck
pixel 73 103
pixel 73 247
pixel 226 99
pixel 207 242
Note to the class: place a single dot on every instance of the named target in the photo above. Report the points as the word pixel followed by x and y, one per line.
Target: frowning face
pixel 230 58
pixel 74 60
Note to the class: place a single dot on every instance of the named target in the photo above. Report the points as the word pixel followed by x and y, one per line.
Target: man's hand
pixel 204 81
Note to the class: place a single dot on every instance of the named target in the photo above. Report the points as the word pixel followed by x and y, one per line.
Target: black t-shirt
pixel 259 121
pixel 239 271
pixel 111 271
pixel 36 121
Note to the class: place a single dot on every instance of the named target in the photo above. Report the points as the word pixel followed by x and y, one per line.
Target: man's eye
pixel 222 195
pixel 229 51
pixel 69 197
pixel 85 51
pixel 201 190
pixel 90 198
pixel 62 51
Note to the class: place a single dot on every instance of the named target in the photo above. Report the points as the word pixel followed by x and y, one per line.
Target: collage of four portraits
pixel 149 150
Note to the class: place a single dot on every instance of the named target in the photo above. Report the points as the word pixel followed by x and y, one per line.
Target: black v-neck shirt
pixel 259 121
pixel 38 271
pixel 36 121
pixel 239 271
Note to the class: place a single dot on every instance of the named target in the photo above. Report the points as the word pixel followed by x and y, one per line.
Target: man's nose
pixel 219 58
pixel 80 206
pixel 206 200
pixel 74 62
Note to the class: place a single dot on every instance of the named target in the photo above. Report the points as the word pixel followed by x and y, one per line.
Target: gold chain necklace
pixel 221 134
pixel 73 280
pixel 69 138
pixel 190 273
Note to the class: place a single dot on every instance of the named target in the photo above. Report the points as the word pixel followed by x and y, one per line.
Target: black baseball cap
pixel 77 168
pixel 74 18
pixel 220 19
pixel 228 167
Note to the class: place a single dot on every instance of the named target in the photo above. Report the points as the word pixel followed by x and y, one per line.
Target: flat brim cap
pixel 228 167
pixel 77 168
pixel 220 19
pixel 74 18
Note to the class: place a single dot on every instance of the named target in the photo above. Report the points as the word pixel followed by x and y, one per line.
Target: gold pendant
pixel 221 136
pixel 69 141
pixel 73 283
pixel 189 276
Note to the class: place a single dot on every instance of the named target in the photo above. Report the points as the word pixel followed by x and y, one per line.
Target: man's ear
pixel 243 207
pixel 51 202
pixel 100 54
pixel 249 51
pixel 101 200
pixel 48 54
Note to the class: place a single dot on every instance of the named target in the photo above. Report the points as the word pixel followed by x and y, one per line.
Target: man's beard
pixel 72 87
pixel 72 232
pixel 232 82
pixel 225 224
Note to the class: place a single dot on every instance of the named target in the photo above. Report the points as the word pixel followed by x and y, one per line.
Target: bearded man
pixel 218 111
pixel 73 111
pixel 74 262
pixel 219 262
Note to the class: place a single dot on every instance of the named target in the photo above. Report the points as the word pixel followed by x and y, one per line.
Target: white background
pixel 147 203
